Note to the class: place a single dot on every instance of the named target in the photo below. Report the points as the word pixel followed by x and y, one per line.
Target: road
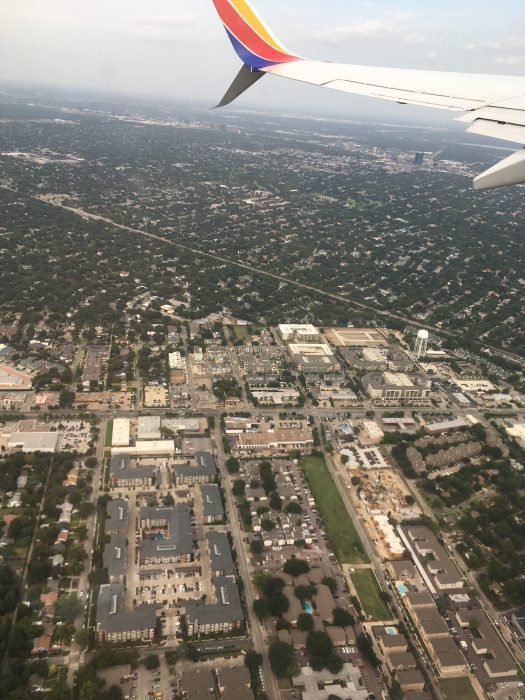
pixel 76 652
pixel 279 278
pixel 255 628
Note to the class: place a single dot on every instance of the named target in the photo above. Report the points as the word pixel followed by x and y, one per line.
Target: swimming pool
pixel 402 589
pixel 308 608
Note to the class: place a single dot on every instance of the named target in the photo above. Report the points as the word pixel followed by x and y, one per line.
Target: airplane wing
pixel 493 105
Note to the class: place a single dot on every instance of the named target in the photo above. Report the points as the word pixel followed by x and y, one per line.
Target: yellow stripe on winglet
pixel 250 16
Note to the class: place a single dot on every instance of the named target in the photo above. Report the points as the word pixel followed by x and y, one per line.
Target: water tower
pixel 420 348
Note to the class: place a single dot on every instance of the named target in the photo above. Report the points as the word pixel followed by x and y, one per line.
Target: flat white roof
pixel 121 432
pixel 33 442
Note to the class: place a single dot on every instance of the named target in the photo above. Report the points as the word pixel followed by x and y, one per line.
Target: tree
pixel 365 646
pixel 334 664
pixel 342 618
pixel 267 524
pixel 66 398
pixel 238 487
pixel 89 691
pixel 305 622
pixel 331 583
pixel 233 465
pixel 278 603
pixel 84 638
pixel 168 500
pixel 293 508
pixel 295 567
pixel 281 658
pixel 151 661
pixel 68 608
pixel 319 644
pixel 261 608
pixel 275 501
pixel 256 547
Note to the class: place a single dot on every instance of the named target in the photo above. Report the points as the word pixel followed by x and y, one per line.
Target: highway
pixel 505 354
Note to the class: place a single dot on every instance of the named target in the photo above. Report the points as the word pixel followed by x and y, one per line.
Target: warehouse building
pixel 121 432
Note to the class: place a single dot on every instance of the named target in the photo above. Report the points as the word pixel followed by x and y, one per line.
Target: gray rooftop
pixel 220 551
pixel 115 558
pixel 212 501
pixel 179 539
pixel 113 618
pixel 118 516
pixel 227 609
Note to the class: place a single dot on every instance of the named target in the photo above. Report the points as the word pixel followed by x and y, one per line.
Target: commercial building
pixel 149 448
pixel 447 426
pixel 34 442
pixel 121 432
pixel 212 506
pixel 168 534
pixel 276 396
pixel 156 396
pixel 378 359
pixel 148 428
pixel 397 387
pixel 300 332
pixel 176 361
pixel 278 439
pixel 11 378
pixel 355 337
pixel 116 624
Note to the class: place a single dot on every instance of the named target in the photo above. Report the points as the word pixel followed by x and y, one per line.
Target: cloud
pixel 155 28
pixel 399 26
pixel 510 51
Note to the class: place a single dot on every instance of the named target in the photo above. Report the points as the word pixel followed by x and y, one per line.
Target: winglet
pixel 244 79
pixel 253 42
pixel 510 171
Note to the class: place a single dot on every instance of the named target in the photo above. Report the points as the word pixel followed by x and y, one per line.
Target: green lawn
pixel 339 526
pixel 109 434
pixel 241 333
pixel 368 591
pixel 457 689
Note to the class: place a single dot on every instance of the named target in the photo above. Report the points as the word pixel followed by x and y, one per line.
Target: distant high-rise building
pixel 418 158
pixel 420 348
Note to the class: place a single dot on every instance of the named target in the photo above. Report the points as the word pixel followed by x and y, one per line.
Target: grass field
pixel 241 333
pixel 339 526
pixel 368 593
pixel 109 434
pixel 457 689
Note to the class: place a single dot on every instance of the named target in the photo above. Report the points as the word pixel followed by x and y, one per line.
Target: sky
pixel 177 49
